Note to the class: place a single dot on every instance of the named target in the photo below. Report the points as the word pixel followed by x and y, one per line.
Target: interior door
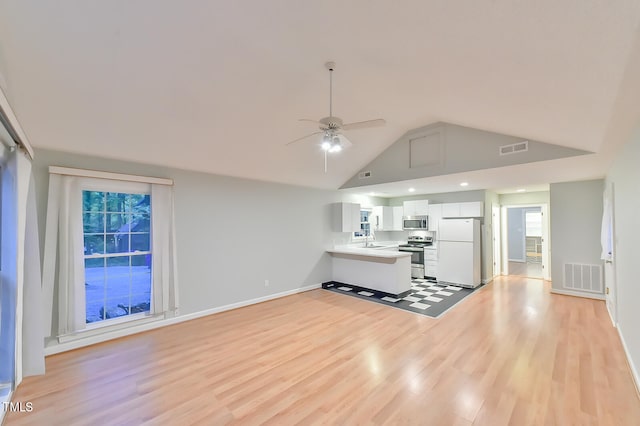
pixel 546 267
pixel 608 231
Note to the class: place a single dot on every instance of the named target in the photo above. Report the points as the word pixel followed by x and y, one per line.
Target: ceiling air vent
pixel 514 148
pixel 364 175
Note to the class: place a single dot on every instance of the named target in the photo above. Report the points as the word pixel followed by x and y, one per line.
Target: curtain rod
pixel 10 122
pixel 67 171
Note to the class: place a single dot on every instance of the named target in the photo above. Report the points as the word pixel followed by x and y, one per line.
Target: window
pixel 533 224
pixel 110 254
pixel 365 226
pixel 117 254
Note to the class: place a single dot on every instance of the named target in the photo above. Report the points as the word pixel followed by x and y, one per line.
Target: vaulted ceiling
pixel 218 86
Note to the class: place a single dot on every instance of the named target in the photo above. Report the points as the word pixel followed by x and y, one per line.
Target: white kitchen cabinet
pixel 346 217
pixel 386 218
pixel 468 209
pixel 416 207
pixel 382 218
pixel 435 214
pixel 398 211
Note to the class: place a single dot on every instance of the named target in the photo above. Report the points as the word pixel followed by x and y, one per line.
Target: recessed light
pixel 521 190
pixel 464 183
pixel 412 190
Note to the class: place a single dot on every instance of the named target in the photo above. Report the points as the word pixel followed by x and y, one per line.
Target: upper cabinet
pixel 346 217
pixel 468 209
pixel 435 214
pixel 386 218
pixel 416 207
pixel 398 212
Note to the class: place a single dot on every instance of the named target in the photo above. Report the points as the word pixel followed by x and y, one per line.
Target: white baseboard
pixel 578 294
pixel 611 316
pixel 92 340
pixel 634 372
pixel 3 410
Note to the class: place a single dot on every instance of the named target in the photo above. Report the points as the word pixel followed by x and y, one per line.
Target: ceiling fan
pixel 331 127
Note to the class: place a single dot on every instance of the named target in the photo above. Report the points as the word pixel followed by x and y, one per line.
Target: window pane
pixel 140 303
pixel 139 203
pixel 140 222
pixel 92 201
pixel 140 242
pixel 117 307
pixel 116 201
pixel 93 222
pixel 94 277
pixel 533 224
pixel 118 278
pixel 117 222
pixel 117 243
pixel 93 244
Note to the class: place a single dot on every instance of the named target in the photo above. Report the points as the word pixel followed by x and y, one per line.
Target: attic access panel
pixel 426 150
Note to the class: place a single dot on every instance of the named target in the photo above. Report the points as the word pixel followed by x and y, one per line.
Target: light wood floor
pixel 525 269
pixel 511 353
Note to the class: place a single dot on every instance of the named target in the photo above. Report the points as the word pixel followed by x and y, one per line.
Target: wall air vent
pixel 583 277
pixel 514 148
pixel 364 175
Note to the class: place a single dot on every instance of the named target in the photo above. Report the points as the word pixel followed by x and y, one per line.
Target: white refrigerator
pixel 459 252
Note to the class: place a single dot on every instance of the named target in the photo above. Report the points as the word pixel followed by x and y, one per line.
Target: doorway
pixel 524 242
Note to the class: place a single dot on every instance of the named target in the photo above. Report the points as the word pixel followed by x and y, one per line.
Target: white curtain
pixel 21 263
pixel 64 245
pixel 164 294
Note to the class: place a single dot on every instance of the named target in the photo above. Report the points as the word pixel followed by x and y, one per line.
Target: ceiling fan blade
pixel 304 137
pixel 310 121
pixel 346 143
pixel 364 124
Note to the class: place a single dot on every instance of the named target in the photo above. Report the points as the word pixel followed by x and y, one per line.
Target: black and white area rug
pixel 426 297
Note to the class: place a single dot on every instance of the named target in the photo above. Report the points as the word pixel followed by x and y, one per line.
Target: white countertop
pixel 386 252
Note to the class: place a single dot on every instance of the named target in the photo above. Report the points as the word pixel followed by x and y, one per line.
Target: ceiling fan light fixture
pixel 326 142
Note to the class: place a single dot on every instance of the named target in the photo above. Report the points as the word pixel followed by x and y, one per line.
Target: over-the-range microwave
pixel 415 222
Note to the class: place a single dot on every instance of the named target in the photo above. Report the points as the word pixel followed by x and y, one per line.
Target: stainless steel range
pixel 415 245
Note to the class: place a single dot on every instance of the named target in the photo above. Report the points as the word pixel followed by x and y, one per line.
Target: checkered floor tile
pixel 426 297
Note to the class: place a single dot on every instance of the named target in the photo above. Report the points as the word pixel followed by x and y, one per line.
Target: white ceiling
pixel 218 86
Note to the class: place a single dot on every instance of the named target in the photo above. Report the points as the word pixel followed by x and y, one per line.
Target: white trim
pixel 613 322
pixel 108 175
pixel 578 294
pixel 113 325
pixel 79 343
pixel 2 410
pixel 15 124
pixel 632 367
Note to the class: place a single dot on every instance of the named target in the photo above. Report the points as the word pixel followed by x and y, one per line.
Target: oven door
pixel 417 255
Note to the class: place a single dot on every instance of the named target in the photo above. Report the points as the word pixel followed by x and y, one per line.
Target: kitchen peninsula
pixel 386 270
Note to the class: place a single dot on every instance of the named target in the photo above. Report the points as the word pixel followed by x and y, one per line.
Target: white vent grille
pixel 364 175
pixel 583 277
pixel 514 148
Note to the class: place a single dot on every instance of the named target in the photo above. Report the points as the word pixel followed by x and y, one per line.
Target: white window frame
pixel 363 237
pixel 101 185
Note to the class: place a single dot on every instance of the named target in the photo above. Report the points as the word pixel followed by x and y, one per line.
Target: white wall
pixel 625 176
pixel 576 211
pixel 232 234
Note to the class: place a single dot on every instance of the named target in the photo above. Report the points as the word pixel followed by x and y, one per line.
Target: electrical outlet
pixel 266 283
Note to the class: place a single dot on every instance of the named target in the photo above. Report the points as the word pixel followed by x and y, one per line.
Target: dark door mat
pixel 426 297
